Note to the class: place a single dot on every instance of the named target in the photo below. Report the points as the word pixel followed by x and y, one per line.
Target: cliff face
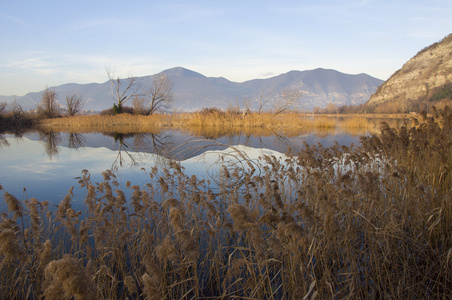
pixel 426 79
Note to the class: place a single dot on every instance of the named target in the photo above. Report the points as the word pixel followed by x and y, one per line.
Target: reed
pixel 124 123
pixel 218 120
pixel 373 221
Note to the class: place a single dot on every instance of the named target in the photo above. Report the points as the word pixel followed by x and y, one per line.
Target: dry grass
pixel 123 123
pixel 328 223
pixel 213 122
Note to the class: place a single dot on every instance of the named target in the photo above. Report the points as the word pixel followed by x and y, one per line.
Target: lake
pixel 46 165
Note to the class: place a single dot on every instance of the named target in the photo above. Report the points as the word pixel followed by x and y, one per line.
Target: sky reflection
pixel 47 167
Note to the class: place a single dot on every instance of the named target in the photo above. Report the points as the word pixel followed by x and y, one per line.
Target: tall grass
pixel 373 221
pixel 124 123
pixel 207 121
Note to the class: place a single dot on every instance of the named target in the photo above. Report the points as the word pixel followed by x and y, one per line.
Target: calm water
pixel 45 166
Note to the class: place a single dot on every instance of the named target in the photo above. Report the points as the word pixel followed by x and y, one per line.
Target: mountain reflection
pixel 136 147
pixel 132 146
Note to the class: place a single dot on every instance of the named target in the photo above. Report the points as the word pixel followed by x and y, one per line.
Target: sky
pixel 48 43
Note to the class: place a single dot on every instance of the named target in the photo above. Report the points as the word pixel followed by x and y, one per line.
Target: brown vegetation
pixel 14 120
pixel 208 121
pixel 346 223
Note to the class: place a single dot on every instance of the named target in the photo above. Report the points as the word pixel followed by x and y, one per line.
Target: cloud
pixel 34 62
pixel 268 74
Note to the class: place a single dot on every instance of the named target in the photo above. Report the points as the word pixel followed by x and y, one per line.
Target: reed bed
pixel 290 123
pixel 124 123
pixel 368 222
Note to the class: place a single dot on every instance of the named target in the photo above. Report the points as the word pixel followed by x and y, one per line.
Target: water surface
pixel 46 165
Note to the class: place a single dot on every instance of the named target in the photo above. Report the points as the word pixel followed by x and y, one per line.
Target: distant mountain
pixel 194 91
pixel 426 79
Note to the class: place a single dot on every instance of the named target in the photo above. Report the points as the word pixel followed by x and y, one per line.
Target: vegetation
pixel 444 92
pixel 373 221
pixel 159 96
pixel 123 90
pixel 146 100
pixel 216 120
pixel 74 104
pixel 13 119
pixel 48 107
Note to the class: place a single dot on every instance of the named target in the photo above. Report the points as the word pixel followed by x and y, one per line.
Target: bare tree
pixel 74 104
pixel 263 100
pixel 331 108
pixel 139 106
pixel 123 90
pixel 48 106
pixel 3 106
pixel 159 94
pixel 287 100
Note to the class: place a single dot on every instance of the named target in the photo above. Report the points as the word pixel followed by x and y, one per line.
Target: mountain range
pixel 194 91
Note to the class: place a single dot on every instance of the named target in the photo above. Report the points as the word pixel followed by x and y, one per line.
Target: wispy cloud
pixel 16 20
pixel 39 64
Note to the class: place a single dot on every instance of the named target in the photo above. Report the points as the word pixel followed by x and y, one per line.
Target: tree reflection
pixel 51 140
pixel 160 144
pixel 123 147
pixel 140 144
pixel 3 141
pixel 76 140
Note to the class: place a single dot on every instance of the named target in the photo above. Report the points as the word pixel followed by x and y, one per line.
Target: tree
pixel 262 101
pixel 331 108
pixel 286 101
pixel 74 104
pixel 139 106
pixel 48 106
pixel 123 90
pixel 159 94
pixel 3 106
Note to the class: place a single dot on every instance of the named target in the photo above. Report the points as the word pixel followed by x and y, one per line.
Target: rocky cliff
pixel 425 80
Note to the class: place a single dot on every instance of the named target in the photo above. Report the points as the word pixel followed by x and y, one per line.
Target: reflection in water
pixel 76 140
pixel 51 140
pixel 140 143
pixel 122 148
pixel 133 156
pixel 3 142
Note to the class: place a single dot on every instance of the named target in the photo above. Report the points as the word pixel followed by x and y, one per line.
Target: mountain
pixel 426 79
pixel 194 91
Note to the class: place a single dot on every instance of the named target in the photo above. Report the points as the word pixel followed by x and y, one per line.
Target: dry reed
pixel 213 123
pixel 373 221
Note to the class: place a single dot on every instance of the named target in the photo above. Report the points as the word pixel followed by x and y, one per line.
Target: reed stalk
pixel 373 221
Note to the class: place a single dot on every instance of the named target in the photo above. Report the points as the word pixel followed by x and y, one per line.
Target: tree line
pixel 145 99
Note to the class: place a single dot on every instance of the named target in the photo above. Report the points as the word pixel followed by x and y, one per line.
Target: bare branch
pixel 160 94
pixel 48 106
pixel 123 89
pixel 74 104
pixel 3 106
pixel 262 101
pixel 287 99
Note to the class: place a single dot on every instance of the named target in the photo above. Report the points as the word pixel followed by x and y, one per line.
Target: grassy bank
pixel 367 222
pixel 208 121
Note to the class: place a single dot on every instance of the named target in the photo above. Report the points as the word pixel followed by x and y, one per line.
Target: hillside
pixel 194 91
pixel 425 80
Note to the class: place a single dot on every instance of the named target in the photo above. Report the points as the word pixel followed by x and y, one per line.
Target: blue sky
pixel 48 43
